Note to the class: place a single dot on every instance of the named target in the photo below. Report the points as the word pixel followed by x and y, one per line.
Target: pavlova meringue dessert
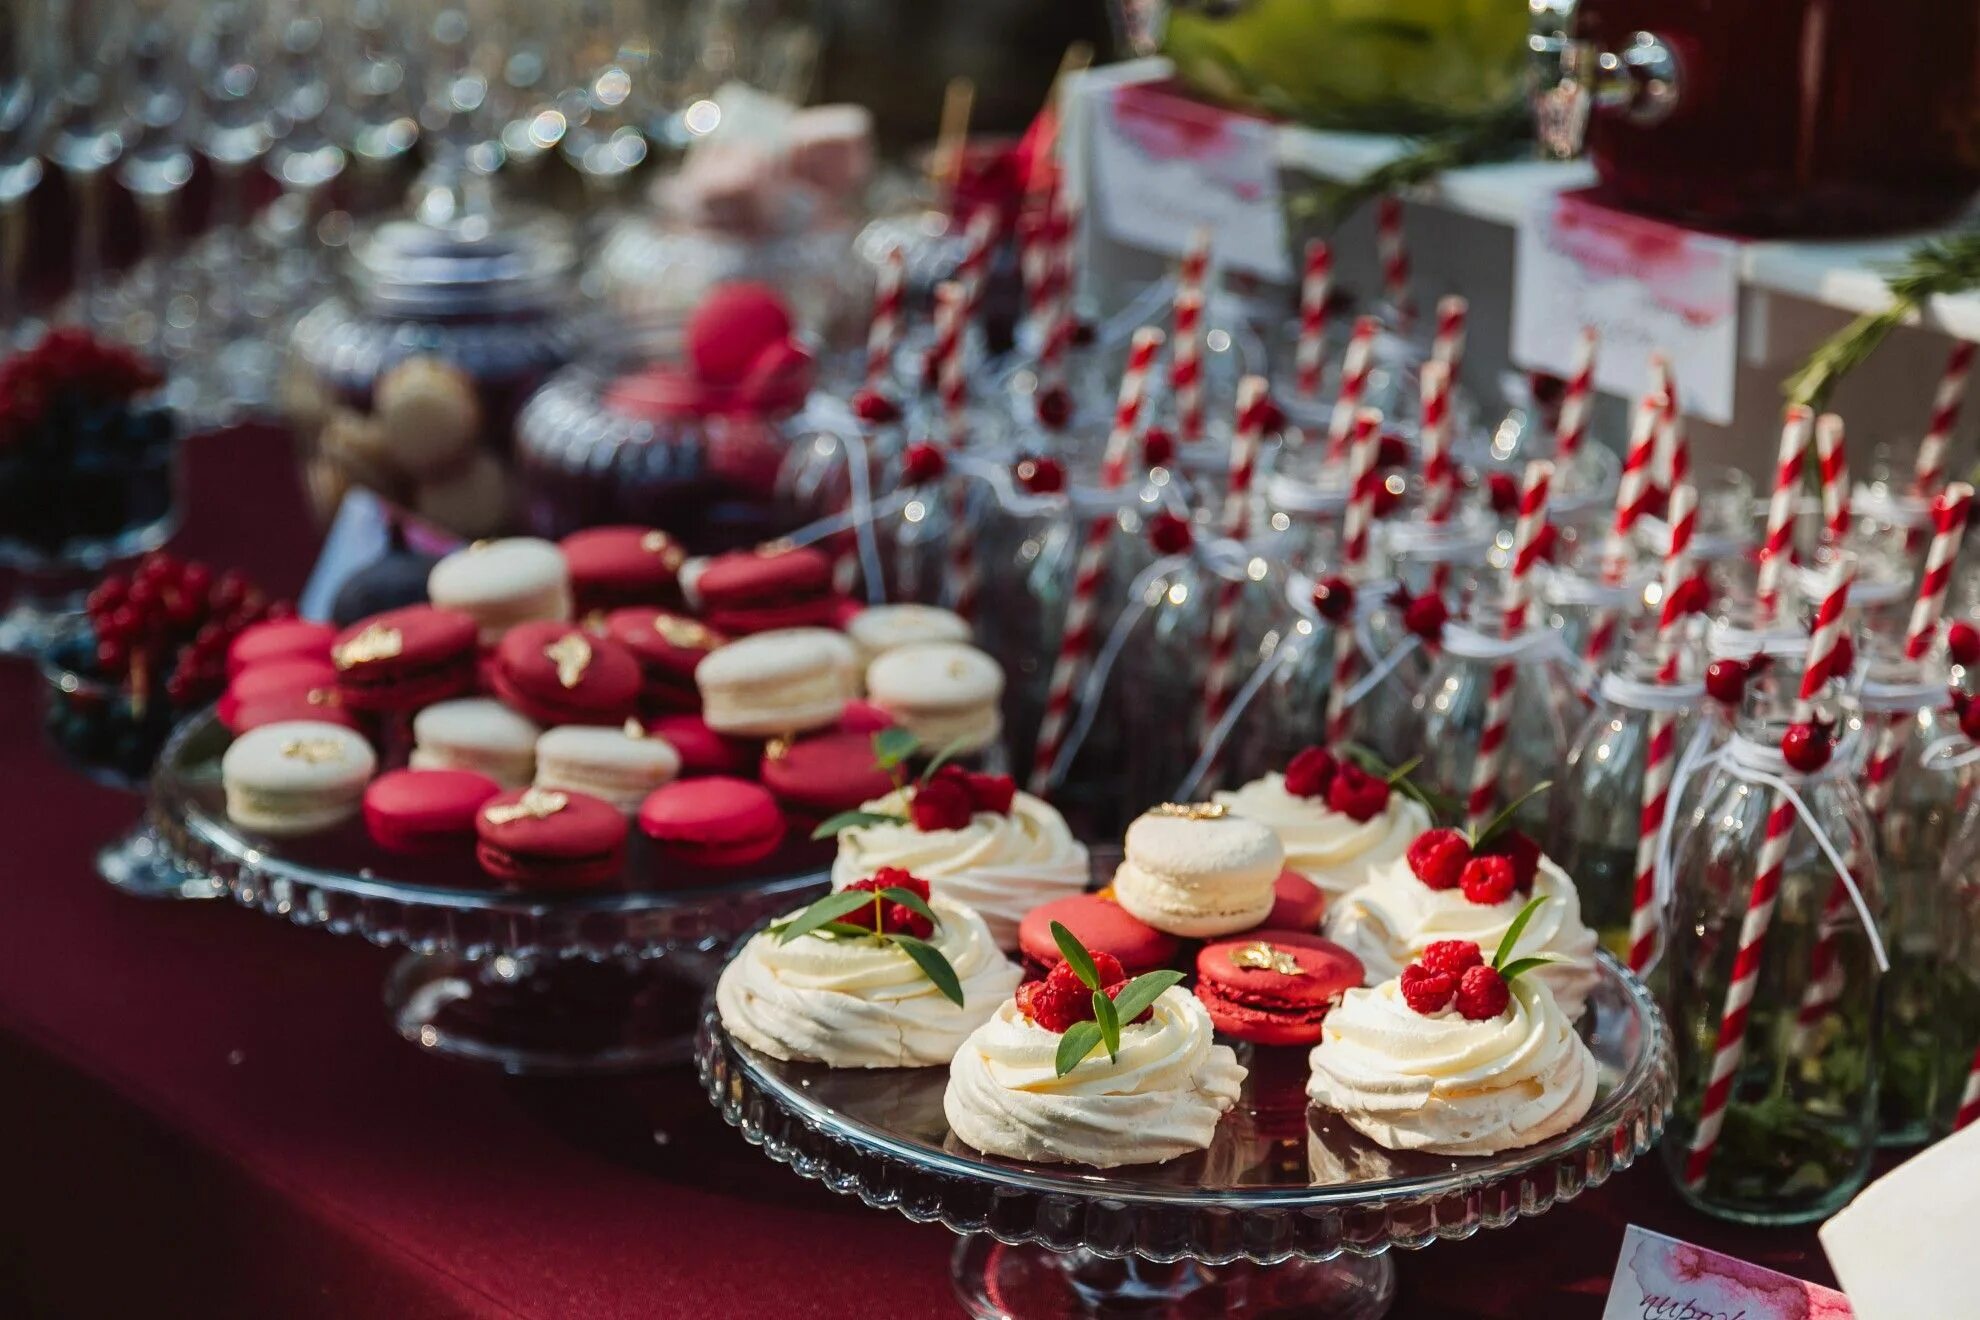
pixel 1442 889
pixel 1337 822
pixel 1454 1057
pixel 1020 1086
pixel 848 992
pixel 976 840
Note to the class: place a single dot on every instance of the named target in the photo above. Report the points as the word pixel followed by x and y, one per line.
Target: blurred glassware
pixel 152 308
pixel 26 95
pixel 89 40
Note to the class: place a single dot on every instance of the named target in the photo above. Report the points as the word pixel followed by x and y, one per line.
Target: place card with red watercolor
pixel 1661 1278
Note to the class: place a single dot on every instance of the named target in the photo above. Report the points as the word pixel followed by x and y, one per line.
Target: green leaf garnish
pixel 933 966
pixel 1504 818
pixel 1076 956
pixel 825 911
pixel 1514 931
pixel 1521 966
pixel 1400 775
pixel 1110 1024
pixel 912 901
pixel 1139 994
pixel 849 820
pixel 1076 1044
pixel 892 746
pixel 947 754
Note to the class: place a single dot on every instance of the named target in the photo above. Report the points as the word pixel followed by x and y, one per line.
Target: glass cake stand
pixel 1289 1213
pixel 603 980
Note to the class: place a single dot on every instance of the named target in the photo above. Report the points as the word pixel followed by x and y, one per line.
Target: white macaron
pixel 478 734
pixel 295 777
pixel 878 629
pixel 788 680
pixel 1198 871
pixel 946 694
pixel 620 766
pixel 519 579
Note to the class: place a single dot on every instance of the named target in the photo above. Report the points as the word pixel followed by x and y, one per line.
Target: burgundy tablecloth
pixel 203 1111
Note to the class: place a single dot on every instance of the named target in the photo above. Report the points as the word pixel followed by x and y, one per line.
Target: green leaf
pixel 1110 1023
pixel 1504 818
pixel 1364 758
pixel 1143 990
pixel 1400 775
pixel 1514 931
pixel 1946 265
pixel 1076 1044
pixel 845 928
pixel 1076 956
pixel 947 754
pixel 912 901
pixel 826 910
pixel 892 746
pixel 1521 966
pixel 849 820
pixel 933 966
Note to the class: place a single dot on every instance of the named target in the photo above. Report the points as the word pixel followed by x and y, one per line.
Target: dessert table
pixel 200 1108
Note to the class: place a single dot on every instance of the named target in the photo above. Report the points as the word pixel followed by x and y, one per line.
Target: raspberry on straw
pixel 1315 288
pixel 883 335
pixel 1661 755
pixel 1766 889
pixel 1362 481
pixel 1076 636
pixel 1829 455
pixel 1491 760
pixel 1246 433
pixel 1186 353
pixel 1571 429
pixel 1355 364
pixel 1393 253
pixel 1777 549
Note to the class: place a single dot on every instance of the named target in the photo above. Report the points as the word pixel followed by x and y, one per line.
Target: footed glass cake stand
pixel 1289 1213
pixel 607 979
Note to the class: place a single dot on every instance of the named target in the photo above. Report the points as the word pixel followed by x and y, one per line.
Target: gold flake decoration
pixel 324 697
pixel 685 633
pixel 1266 958
pixel 777 749
pixel 1192 810
pixel 313 751
pixel 783 545
pixel 534 804
pixel 634 729
pixel 571 653
pixel 669 550
pixel 376 642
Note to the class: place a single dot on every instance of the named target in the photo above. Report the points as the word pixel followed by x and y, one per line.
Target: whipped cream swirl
pixel 1331 848
pixel 1444 1084
pixel 1160 1099
pixel 1002 866
pixel 1390 920
pixel 863 1003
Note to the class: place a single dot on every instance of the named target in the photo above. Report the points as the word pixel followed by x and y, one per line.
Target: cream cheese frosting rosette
pixel 1160 1098
pixel 853 1001
pixel 1444 1076
pixel 1337 823
pixel 1395 916
pixel 976 840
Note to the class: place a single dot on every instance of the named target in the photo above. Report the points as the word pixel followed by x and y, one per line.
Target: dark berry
pixel 1806 747
pixel 1725 681
pixel 1170 533
pixel 1963 643
pixel 1334 598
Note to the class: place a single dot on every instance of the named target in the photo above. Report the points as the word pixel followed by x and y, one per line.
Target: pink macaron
pixel 704 751
pixel 280 639
pixel 1297 903
pixel 713 822
pixel 1273 987
pixel 420 812
pixel 612 567
pixel 1102 926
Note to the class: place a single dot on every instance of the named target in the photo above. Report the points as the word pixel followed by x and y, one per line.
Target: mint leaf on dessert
pixel 1521 966
pixel 1138 995
pixel 1504 818
pixel 933 966
pixel 1514 931
pixel 892 746
pixel 823 913
pixel 1076 956
pixel 944 756
pixel 849 820
pixel 1076 1044
pixel 1110 1024
pixel 912 901
pixel 1401 773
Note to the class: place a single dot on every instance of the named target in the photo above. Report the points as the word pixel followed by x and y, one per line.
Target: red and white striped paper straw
pixel 1969 1099
pixel 1766 889
pixel 1571 429
pixel 1777 549
pixel 1632 492
pixel 1491 761
pixel 1246 433
pixel 1186 350
pixel 1393 253
pixel 1447 344
pixel 974 271
pixel 1316 286
pixel 1645 918
pixel 1038 248
pixel 952 389
pixel 883 335
pixel 1673 454
pixel 1830 457
pixel 1355 365
pixel 1946 400
pixel 1439 473
pixel 1076 637
pixel 1362 481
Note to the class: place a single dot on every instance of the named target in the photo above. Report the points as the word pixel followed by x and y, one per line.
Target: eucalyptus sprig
pixel 1498 823
pixel 824 919
pixel 1519 966
pixel 1941 266
pixel 1502 135
pixel 1134 999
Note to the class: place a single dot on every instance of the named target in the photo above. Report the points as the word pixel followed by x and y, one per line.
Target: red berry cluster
pixel 895 918
pixel 66 361
pixel 1317 773
pixel 875 408
pixel 950 796
pixel 166 627
pixel 1490 873
pixel 1454 970
pixel 1170 533
pixel 1425 615
pixel 922 463
pixel 1041 476
pixel 1062 999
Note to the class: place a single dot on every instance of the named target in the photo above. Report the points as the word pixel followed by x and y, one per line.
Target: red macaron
pixel 616 566
pixel 669 648
pixel 1100 924
pixel 280 639
pixel 818 777
pixel 1297 903
pixel 1273 987
pixel 713 822
pixel 406 658
pixel 863 717
pixel 537 839
pixel 557 673
pixel 292 684
pixel 704 751
pixel 420 812
pixel 749 591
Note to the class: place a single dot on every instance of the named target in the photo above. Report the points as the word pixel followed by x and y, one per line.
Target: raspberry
pixel 1334 598
pixel 1357 793
pixel 1426 991
pixel 922 463
pixel 1963 643
pixel 1041 476
pixel 875 408
pixel 895 918
pixel 1842 662
pixel 1271 416
pixel 1806 747
pixel 1725 682
pixel 1426 615
pixel 1112 974
pixel 1969 720
pixel 1452 957
pixel 1056 1002
pixel 1157 447
pixel 1054 408
pixel 1503 493
pixel 1169 533
pixel 1388 494
pixel 1438 858
pixel 1391 451
pixel 1488 880
pixel 1310 772
pixel 1482 994
pixel 991 792
pixel 943 803
pixel 1522 850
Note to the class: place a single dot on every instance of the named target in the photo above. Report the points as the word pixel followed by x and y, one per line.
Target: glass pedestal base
pixel 548 1017
pixel 35 620
pixel 139 864
pixel 999 1282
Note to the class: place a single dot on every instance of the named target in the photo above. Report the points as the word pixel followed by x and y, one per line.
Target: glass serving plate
pixel 1289 1212
pixel 603 980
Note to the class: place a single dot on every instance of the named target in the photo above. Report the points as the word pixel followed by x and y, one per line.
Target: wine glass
pixel 89 40
pixel 24 108
pixel 378 99
pixel 156 166
pixel 605 136
pixel 308 154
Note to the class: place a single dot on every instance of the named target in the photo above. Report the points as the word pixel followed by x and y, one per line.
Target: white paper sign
pixel 1644 284
pixel 1661 1278
pixel 1164 165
